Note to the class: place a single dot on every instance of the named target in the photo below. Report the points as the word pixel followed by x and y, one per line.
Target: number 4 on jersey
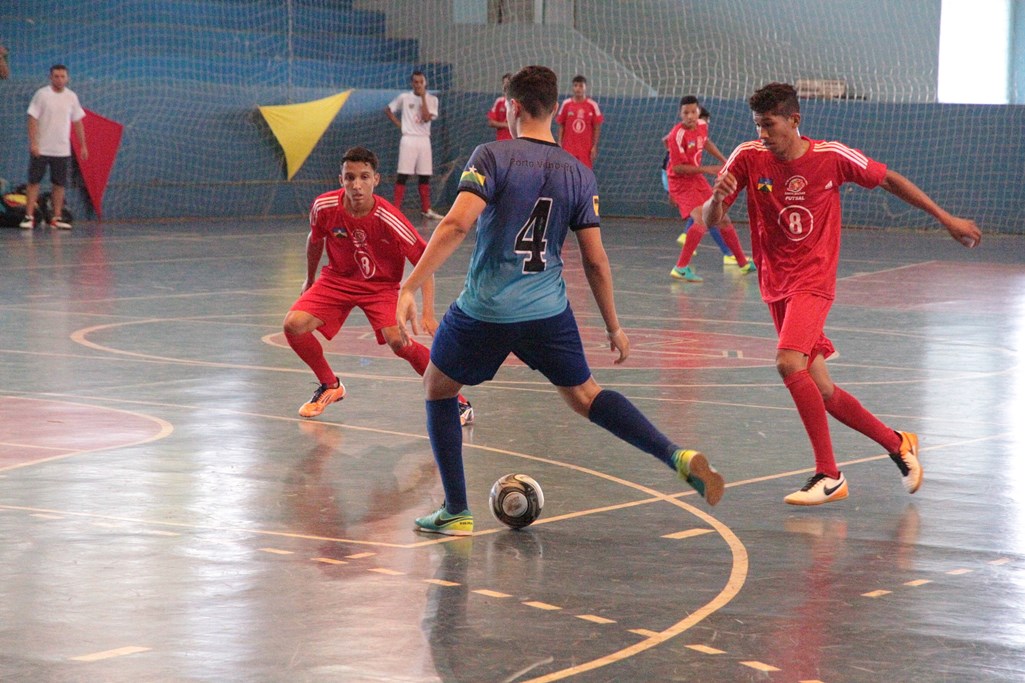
pixel 530 239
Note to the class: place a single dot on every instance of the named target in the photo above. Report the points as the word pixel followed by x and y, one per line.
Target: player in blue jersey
pixel 528 194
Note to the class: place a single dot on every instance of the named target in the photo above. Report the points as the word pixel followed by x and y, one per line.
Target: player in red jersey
pixel 689 189
pixel 368 243
pixel 579 124
pixel 793 201
pixel 496 115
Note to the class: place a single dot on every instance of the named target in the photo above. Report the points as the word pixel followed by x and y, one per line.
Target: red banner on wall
pixel 102 137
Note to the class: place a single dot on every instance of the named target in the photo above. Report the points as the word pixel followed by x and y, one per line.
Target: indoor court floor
pixel 166 515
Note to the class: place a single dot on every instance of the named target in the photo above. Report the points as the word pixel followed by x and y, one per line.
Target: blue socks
pixel 614 412
pixel 447 442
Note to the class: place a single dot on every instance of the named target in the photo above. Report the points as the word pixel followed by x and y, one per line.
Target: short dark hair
pixel 58 67
pixel 579 79
pixel 417 73
pixel 360 155
pixel 688 99
pixel 775 98
pixel 704 114
pixel 536 88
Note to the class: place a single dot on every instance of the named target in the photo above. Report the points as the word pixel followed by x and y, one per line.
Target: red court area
pixel 649 348
pixel 33 430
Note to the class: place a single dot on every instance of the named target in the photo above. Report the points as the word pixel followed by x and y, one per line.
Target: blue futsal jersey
pixel 536 192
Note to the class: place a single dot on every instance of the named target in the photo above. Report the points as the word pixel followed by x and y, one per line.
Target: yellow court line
pixel 166 428
pixel 108 654
pixel 595 619
pixel 689 533
pixel 706 649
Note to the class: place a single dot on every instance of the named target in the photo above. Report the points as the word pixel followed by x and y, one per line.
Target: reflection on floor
pixel 167 516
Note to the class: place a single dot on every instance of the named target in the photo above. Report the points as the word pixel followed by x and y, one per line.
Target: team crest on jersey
pixel 472 175
pixel 340 232
pixel 764 185
pixel 691 144
pixel 594 200
pixel 795 186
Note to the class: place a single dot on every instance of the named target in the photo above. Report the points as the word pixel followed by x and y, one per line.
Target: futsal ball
pixel 516 500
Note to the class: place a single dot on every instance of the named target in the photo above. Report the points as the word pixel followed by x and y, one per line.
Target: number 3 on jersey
pixel 530 239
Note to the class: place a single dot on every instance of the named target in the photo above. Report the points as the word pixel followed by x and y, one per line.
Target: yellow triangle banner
pixel 299 127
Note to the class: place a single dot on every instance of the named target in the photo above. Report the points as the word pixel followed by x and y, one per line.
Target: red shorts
pixel 800 320
pixel 690 199
pixel 328 302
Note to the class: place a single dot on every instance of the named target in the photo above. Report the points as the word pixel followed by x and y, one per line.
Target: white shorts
pixel 415 155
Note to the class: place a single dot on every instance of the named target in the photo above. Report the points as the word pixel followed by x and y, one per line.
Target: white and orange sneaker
pixel 819 489
pixel 322 398
pixel 465 412
pixel 906 458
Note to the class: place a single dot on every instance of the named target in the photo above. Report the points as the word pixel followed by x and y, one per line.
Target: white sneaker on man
pixel 27 223
pixel 59 223
pixel 819 489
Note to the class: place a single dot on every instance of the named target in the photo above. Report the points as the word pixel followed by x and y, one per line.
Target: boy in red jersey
pixel 496 115
pixel 368 242
pixel 688 188
pixel 793 200
pixel 579 124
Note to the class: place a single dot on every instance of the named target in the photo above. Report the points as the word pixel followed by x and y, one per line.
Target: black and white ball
pixel 516 500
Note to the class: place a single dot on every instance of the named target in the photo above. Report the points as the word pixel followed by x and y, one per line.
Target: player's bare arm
pixel 33 136
pixel 963 230
pixel 83 151
pixel 393 118
pixel 599 278
pixel 690 169
pixel 447 237
pixel 714 151
pixel 594 142
pixel 314 250
pixel 713 210
pixel 427 318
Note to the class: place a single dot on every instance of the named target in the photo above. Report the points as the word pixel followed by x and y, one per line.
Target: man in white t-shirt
pixel 53 111
pixel 417 109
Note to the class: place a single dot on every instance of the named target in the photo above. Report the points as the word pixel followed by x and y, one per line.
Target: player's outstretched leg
pixel 906 457
pixel 617 414
pixel 693 467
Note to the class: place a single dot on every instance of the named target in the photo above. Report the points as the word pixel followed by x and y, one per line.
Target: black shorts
pixel 58 170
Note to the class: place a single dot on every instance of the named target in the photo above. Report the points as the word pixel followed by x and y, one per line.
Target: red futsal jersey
pixel 497 114
pixel 686 147
pixel 368 254
pixel 578 120
pixel 794 209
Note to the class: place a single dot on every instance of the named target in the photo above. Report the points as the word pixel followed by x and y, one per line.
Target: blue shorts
pixel 471 351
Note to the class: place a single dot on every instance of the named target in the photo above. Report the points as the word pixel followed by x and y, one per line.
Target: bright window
pixel 975 43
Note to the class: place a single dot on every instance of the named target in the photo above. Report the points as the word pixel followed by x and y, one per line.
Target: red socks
pixel 812 410
pixel 425 196
pixel 417 355
pixel 400 194
pixel 694 235
pixel 308 348
pixel 849 411
pixel 729 236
